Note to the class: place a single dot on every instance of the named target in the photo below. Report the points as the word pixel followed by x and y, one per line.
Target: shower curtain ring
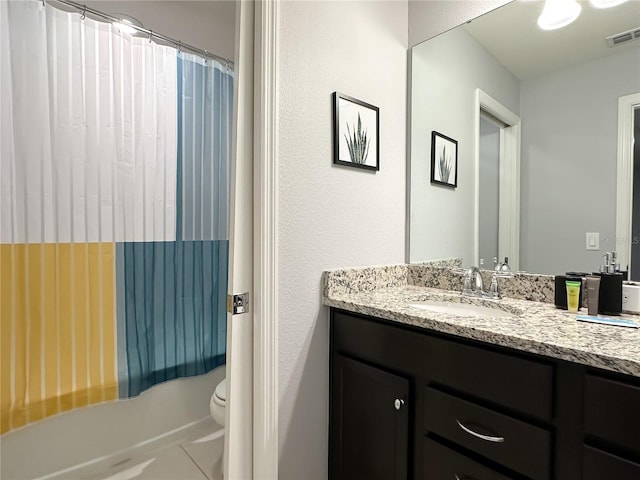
pixel 179 47
pixel 206 57
pixel 150 35
pixel 84 12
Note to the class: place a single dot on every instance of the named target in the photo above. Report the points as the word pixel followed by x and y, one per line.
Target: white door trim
pixel 265 251
pixel 624 198
pixel 238 457
pixel 509 209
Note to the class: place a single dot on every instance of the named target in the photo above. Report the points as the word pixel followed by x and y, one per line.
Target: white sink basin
pixel 460 309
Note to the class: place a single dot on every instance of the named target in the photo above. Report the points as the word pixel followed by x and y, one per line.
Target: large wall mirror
pixel 540 119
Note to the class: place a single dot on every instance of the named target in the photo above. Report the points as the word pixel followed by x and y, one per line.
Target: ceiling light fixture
pixel 126 23
pixel 558 14
pixel 606 3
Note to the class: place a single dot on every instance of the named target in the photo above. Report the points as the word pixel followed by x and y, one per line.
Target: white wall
pixel 569 148
pixel 331 216
pixel 206 24
pixel 430 18
pixel 443 89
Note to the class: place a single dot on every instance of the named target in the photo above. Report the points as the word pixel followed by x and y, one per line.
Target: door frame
pixel 251 437
pixel 624 197
pixel 265 238
pixel 509 203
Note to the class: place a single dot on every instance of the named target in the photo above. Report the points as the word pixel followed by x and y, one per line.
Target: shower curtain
pixel 114 212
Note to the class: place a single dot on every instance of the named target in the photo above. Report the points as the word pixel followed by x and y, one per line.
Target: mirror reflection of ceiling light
pixel 126 24
pixel 606 3
pixel 558 14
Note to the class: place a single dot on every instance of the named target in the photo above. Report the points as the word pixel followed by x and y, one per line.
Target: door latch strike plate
pixel 238 303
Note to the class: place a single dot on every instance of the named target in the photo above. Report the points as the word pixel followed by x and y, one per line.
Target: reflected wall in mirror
pixel 564 86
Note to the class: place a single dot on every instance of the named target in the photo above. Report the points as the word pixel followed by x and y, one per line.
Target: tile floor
pixel 196 457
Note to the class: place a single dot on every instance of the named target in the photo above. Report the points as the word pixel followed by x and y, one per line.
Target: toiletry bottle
pixel 561 288
pixel 573 295
pixel 593 294
pixel 614 266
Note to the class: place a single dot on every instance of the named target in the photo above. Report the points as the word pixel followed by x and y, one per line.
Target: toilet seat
pixel 220 392
pixel 217 403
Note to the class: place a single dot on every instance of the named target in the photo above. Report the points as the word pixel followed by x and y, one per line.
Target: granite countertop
pixel 534 327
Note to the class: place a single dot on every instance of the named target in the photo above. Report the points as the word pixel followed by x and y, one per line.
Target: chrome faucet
pixel 473 277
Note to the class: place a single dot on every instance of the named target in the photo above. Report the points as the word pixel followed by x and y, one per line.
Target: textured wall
pixel 331 216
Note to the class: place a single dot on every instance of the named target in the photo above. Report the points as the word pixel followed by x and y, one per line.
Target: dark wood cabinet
pixel 513 443
pixel 371 407
pixel 599 465
pixel 612 412
pixel 440 462
pixel 471 410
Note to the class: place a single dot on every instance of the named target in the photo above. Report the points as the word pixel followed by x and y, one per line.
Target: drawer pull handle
pixel 488 438
pixel 398 403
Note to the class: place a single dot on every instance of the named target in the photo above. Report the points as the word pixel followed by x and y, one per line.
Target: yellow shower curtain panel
pixel 55 356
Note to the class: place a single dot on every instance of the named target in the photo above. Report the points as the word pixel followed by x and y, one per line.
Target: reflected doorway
pixel 507 191
pixel 635 207
pixel 489 195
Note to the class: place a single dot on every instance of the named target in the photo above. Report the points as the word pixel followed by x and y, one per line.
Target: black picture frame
pixel 444 160
pixel 355 122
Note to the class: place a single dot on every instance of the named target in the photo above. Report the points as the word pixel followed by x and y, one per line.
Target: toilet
pixel 218 400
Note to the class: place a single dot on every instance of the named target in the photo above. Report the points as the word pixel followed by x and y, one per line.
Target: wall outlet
pixel 593 241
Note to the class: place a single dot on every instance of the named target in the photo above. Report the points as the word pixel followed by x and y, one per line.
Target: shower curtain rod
pixel 83 9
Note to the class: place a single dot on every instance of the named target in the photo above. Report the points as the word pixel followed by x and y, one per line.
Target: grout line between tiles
pixel 195 463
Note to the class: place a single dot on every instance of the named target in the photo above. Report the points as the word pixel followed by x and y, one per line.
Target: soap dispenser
pixel 610 298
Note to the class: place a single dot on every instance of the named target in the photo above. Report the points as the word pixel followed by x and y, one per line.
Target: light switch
pixel 593 241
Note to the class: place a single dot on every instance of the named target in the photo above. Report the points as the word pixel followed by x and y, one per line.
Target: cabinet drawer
pixel 598 465
pixel 517 383
pixel 440 462
pixel 505 440
pixel 611 411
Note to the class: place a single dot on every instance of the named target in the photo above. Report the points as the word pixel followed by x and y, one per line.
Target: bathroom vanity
pixel 424 395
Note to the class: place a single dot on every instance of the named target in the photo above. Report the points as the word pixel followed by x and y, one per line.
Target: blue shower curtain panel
pixel 171 296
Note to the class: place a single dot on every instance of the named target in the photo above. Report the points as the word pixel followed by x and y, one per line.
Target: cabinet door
pixel 599 465
pixel 369 429
pixel 611 411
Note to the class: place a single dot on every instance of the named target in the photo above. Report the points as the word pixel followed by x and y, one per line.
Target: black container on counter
pixel 561 288
pixel 610 298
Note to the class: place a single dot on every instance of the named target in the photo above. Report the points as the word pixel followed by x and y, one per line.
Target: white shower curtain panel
pixel 87 135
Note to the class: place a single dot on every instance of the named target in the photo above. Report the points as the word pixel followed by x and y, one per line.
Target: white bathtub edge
pixel 107 433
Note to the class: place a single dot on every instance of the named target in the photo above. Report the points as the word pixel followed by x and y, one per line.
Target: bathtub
pixel 105 434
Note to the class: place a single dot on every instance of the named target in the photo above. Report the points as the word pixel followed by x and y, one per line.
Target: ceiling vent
pixel 623 37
